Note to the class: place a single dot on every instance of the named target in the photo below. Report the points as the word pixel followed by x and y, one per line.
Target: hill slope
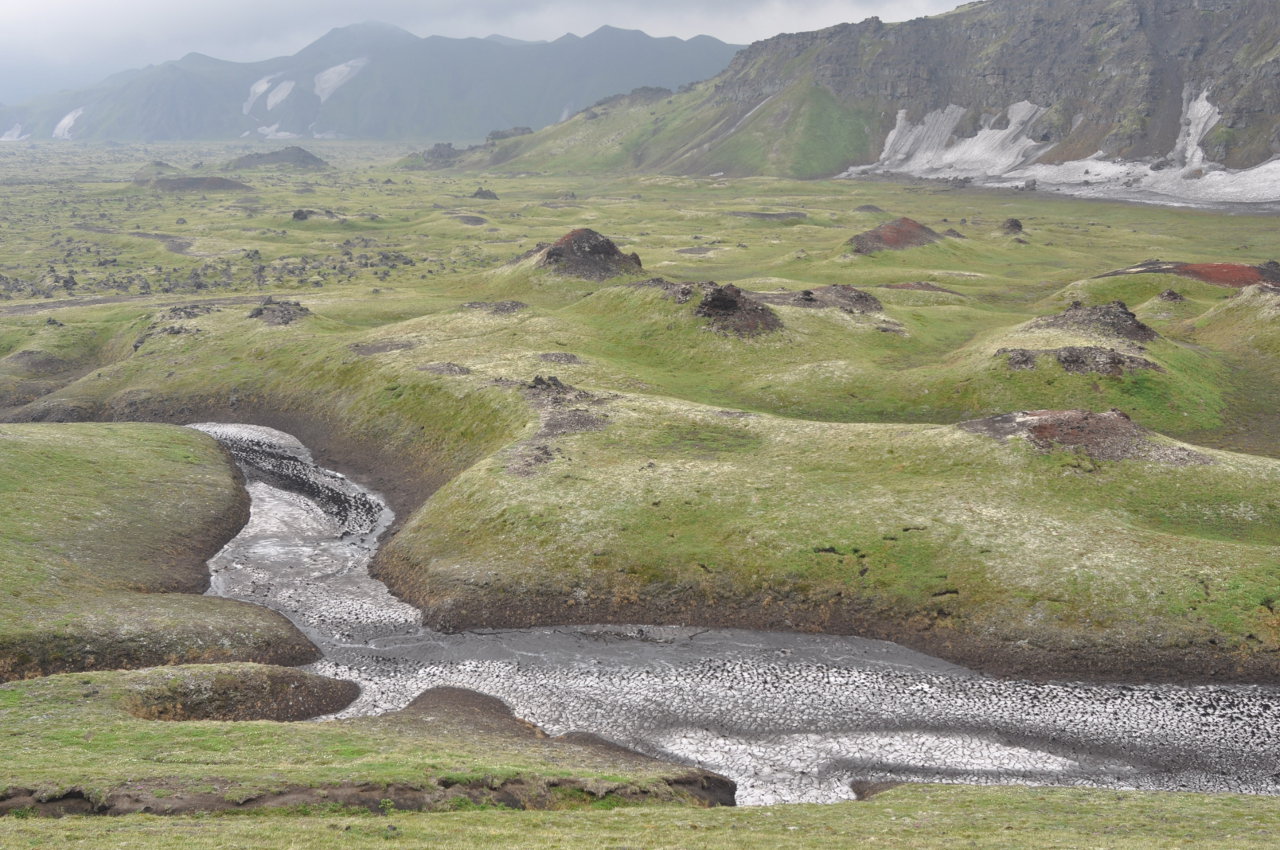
pixel 1058 91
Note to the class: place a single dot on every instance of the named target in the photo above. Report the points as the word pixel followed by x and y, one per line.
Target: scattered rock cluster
pixel 1079 359
pixel 275 312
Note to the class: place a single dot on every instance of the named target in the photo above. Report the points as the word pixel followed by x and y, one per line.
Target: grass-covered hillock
pixel 106 529
pixel 90 742
pixel 990 551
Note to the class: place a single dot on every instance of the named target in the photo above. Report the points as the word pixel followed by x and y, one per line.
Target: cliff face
pixel 1004 84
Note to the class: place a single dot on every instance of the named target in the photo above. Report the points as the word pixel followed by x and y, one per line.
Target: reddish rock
pixel 895 235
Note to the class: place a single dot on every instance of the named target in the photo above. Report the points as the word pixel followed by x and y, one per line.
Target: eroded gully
pixel 788 717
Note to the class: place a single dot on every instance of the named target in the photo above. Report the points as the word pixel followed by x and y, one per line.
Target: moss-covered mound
pixel 106 531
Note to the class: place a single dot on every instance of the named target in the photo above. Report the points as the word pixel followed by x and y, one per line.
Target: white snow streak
pixel 279 93
pixel 330 80
pixel 257 90
pixel 63 130
pixel 14 134
pixel 931 147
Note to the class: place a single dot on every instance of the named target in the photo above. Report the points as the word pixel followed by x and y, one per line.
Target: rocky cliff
pixel 1054 90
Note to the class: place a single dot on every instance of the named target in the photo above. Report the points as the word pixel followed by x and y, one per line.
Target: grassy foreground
pixel 920 816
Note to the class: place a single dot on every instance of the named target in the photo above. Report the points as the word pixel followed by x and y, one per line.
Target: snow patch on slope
pixel 1198 118
pixel 257 90
pixel 14 134
pixel 274 132
pixel 330 80
pixel 63 130
pixel 279 93
pixel 1007 158
pixel 931 148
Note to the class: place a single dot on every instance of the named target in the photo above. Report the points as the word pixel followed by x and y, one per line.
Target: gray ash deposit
pixel 789 717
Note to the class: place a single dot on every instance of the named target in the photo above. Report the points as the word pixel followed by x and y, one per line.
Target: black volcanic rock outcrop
pixel 840 296
pixel 292 157
pixel 1113 319
pixel 733 311
pixel 897 235
pixel 1079 359
pixel 586 254
pixel 198 184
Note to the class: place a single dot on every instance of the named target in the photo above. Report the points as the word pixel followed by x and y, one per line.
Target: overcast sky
pixel 46 45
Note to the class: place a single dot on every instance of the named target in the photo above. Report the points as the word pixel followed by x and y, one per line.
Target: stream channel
pixel 788 717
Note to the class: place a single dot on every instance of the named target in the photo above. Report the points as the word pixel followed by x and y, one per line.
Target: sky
pixel 47 45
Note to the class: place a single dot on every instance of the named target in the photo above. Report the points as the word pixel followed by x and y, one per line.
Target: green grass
pixel 76 731
pixel 916 816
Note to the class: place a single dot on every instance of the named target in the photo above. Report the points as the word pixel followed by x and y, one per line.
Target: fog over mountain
pixel 59 44
pixel 370 81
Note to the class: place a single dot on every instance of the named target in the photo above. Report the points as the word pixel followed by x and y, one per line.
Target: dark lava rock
pixel 198 184
pixel 1114 319
pixel 445 369
pixel 367 349
pixel 586 254
pixel 868 208
pixel 485 194
pixel 678 292
pixel 953 233
pixel 840 296
pixel 53 323
pixel 292 156
pixel 1102 436
pixel 1080 360
pixel 732 311
pixel 471 220
pixel 275 312
pixel 560 357
pixel 189 311
pixel 1011 227
pixel 496 308
pixel 1171 295
pixel 770 216
pixel 897 235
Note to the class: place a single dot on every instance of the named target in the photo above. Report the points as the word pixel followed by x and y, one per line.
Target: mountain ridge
pixel 1174 97
pixel 364 81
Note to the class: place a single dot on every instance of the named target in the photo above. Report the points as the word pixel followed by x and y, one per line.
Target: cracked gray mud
pixel 788 717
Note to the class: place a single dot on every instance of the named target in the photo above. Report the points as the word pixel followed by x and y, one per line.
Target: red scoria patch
pixel 1222 274
pixel 894 236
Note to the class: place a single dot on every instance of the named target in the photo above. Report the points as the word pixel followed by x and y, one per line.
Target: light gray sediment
pixel 789 717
